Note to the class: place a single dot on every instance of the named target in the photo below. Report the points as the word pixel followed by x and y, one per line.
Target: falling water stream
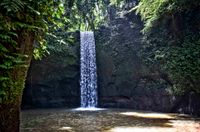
pixel 88 83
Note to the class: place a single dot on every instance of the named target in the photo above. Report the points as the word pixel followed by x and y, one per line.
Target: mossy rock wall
pixel 54 80
pixel 124 81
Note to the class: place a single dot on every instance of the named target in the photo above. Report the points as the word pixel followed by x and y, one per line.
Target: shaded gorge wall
pixel 54 80
pixel 123 80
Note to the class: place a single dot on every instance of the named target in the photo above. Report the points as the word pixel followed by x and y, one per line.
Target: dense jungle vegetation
pixel 171 40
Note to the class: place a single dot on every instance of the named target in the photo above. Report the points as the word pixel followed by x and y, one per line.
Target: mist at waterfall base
pixel 88 69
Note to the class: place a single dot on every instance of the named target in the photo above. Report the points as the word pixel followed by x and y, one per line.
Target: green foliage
pixel 17 17
pixel 153 10
pixel 85 14
pixel 183 64
pixel 171 40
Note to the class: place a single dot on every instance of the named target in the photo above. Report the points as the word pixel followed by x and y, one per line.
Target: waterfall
pixel 88 83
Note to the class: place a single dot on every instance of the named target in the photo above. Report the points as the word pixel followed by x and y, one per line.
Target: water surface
pixel 107 120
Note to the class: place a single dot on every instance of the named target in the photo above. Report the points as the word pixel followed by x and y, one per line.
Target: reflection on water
pixel 149 115
pixel 107 120
pixel 65 128
pixel 88 109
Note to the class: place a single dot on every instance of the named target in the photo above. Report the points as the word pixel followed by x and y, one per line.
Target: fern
pixel 12 5
pixel 3 49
